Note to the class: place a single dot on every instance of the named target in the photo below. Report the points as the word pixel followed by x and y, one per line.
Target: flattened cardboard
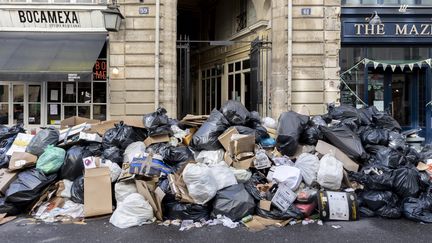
pixel 76 120
pixel 21 160
pixel 242 144
pixel 225 138
pixel 97 192
pixel 20 143
pixel 6 178
pixel 133 121
pixel 154 197
pixel 102 127
pixel 228 159
pixel 265 204
pixel 325 148
pixel 156 139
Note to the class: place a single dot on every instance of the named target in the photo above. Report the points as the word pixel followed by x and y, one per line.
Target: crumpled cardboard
pixel 152 194
pixel 97 192
pixel 21 160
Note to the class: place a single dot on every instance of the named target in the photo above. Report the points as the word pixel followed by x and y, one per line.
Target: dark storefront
pixel 385 61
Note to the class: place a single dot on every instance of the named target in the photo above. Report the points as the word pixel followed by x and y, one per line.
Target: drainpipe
pixel 289 64
pixel 157 58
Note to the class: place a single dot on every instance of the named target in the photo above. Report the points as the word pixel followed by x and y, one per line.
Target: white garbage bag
pixel 66 192
pixel 199 180
pixel 123 189
pixel 223 175
pixel 136 149
pixel 289 175
pixel 133 211
pixel 269 122
pixel 308 165
pixel 330 172
pixel 210 157
pixel 241 175
pixel 115 169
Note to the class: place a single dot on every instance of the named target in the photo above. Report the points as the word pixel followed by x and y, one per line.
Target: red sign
pixel 100 70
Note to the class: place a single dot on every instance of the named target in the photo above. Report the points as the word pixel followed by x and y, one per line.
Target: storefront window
pixel 386 2
pixel 4 104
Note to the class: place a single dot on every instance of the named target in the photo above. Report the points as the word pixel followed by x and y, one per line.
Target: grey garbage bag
pixel 235 112
pixel 206 138
pixel 234 202
pixel 77 190
pixel 42 139
pixel 290 127
pixel 419 209
pixel 382 203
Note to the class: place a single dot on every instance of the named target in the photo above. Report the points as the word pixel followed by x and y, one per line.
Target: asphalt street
pixel 100 230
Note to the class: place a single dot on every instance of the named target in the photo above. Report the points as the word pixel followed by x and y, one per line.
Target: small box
pixel 97 192
pixel 156 139
pixel 225 138
pixel 242 144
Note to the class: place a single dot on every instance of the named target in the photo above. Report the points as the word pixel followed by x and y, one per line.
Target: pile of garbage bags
pixel 345 164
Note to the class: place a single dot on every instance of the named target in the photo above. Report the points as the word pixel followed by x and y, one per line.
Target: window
pixel 239 81
pixel 211 87
pixel 386 2
pixel 242 17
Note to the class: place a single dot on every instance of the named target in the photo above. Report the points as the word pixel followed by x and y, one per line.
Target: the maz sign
pixel 412 30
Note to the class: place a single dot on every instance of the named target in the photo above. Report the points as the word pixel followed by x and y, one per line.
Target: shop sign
pixel 51 19
pixel 100 70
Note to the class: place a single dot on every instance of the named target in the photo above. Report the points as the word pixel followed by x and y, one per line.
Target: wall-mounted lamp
pixel 112 17
pixel 115 71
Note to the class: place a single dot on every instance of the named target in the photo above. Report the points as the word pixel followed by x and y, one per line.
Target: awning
pixel 39 56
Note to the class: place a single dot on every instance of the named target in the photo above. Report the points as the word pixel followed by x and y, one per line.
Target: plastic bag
pixel 6 132
pixel 234 202
pixel 77 190
pixel 201 184
pixel 384 120
pixel 406 182
pixel 390 158
pixel 210 157
pixel 330 172
pixel 122 135
pixel 289 175
pixel 9 208
pixel 115 170
pixel 269 122
pixel 222 174
pixel 347 141
pixel 134 150
pixel 235 112
pixel 308 164
pixel 155 121
pixel 241 175
pixel 5 144
pixel 73 166
pixel 67 186
pixel 175 155
pixel 318 121
pixel 28 186
pixel 42 139
pixel 375 177
pixel 114 154
pixel 342 112
pixel 290 127
pixel 375 137
pixel 419 209
pixel 173 209
pixel 383 203
pixel 206 138
pixel 123 189
pixel 133 211
pixel 51 160
pixel 311 135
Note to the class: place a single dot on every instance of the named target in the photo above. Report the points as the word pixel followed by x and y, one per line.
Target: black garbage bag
pixel 94 149
pixel 28 186
pixel 255 123
pixel 383 203
pixel 175 155
pixel 351 123
pixel 290 127
pixel 397 141
pixel 390 158
pixel 366 212
pixel 77 190
pixel 374 149
pixel 375 137
pixel 419 209
pixel 122 135
pixel 153 121
pixel 366 115
pixel 259 132
pixel 234 202
pixel 157 148
pixel 346 140
pixel 342 112
pixel 7 132
pixel 5 145
pixel 384 120
pixel 412 156
pixel 311 135
pixel 235 112
pixel 42 139
pixel 9 208
pixel 426 152
pixel 374 177
pixel 206 138
pixel 173 209
pixel 275 213
pixel 161 130
pixel 73 166
pixel 318 121
pixel 114 154
pixel 406 182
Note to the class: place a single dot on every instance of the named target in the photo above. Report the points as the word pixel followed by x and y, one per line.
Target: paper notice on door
pixel 54 95
pixel 379 104
pixel 53 110
pixel 69 88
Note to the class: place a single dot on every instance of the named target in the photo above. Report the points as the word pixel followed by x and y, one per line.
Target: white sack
pixel 210 157
pixel 124 189
pixel 133 211
pixel 330 172
pixel 201 184
pixel 136 149
pixel 308 165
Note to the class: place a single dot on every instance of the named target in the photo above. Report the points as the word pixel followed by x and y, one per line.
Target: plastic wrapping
pixel 42 139
pixel 290 127
pixel 157 123
pixel 375 137
pixel 51 160
pixel 308 165
pixel 114 154
pixel 206 138
pixel 175 155
pixel 123 135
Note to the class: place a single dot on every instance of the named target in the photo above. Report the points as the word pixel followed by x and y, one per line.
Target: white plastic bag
pixel 289 175
pixel 308 165
pixel 123 189
pixel 269 122
pixel 330 172
pixel 201 184
pixel 115 169
pixel 136 149
pixel 241 175
pixel 223 176
pixel 210 157
pixel 66 193
pixel 133 211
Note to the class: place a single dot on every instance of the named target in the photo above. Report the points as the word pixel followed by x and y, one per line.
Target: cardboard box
pixel 337 205
pixel 325 148
pixel 225 138
pixel 20 160
pixel 156 139
pixel 102 127
pixel 242 144
pixel 152 194
pixel 243 164
pixel 76 120
pixel 6 178
pixel 97 192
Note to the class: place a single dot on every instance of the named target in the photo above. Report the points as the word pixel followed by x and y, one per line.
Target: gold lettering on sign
pixel 369 29
pixel 414 30
pixel 425 29
pixel 401 31
pixel 358 28
pixel 380 29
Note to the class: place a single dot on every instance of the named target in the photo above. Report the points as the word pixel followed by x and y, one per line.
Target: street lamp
pixel 112 17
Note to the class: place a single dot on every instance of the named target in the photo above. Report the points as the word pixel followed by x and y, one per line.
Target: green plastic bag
pixel 51 160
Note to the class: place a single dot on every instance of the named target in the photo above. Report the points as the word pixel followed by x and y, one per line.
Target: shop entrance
pixel 402 93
